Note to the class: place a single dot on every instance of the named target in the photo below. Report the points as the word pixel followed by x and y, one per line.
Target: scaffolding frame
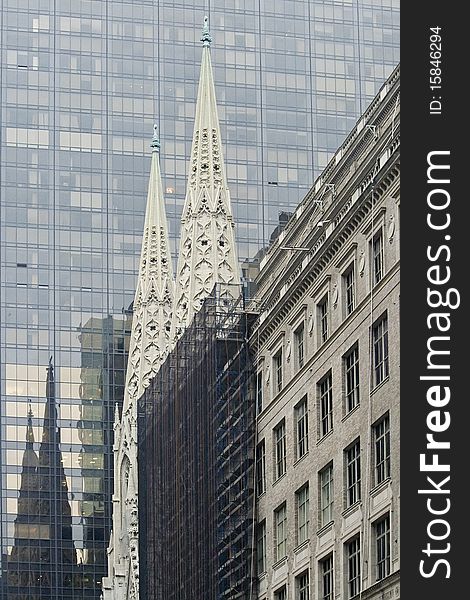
pixel 196 444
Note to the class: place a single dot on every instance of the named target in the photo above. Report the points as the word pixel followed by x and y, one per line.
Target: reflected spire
pixel 43 558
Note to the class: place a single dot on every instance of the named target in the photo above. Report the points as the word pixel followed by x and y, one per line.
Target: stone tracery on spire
pixel 149 346
pixel 207 246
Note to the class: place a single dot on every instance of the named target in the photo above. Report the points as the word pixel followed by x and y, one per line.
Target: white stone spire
pixel 207 252
pixel 149 345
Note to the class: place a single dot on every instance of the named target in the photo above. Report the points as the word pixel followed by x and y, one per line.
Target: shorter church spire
pixel 153 303
pixel 149 346
pixel 155 145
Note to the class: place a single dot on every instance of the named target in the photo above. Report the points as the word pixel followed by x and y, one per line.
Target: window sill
pixel 279 478
pixel 353 410
pixel 379 385
pixel 280 562
pixel 302 546
pixel 301 458
pixel 324 528
pixel 351 509
pixel 380 486
pixel 325 436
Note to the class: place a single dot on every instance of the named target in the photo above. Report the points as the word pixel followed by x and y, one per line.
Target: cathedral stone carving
pixel 149 345
pixel 207 245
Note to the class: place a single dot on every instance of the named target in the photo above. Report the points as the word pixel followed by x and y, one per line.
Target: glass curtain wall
pixel 81 84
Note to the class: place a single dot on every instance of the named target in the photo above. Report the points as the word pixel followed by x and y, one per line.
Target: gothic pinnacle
pixel 206 38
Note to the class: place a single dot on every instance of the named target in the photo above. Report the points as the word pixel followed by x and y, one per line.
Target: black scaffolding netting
pixel 196 434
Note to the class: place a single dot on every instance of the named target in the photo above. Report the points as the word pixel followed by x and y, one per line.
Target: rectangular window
pixel 302 587
pixel 280 529
pixel 281 594
pixel 301 427
pixel 323 318
pixel 299 341
pixel 280 449
pixel 380 350
pixel 382 538
pixel 261 547
pixel 278 371
pixel 326 495
pixel 326 405
pixel 351 373
pixel 353 556
pixel 302 506
pixel 349 281
pixel 326 573
pixel 353 473
pixel 382 449
pixel 377 258
pixel 259 392
pixel 261 468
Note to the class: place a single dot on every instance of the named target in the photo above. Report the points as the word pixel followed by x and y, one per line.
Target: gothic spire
pixel 153 302
pixel 207 252
pixel 149 345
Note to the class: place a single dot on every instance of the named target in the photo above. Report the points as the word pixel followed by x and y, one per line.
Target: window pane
pixel 280 446
pixel 352 379
pixel 326 405
pixel 353 474
pixel 382 450
pixel 302 497
pixel 326 495
pixel 301 417
pixel 380 350
pixel 261 468
pixel 354 567
pixel 382 536
pixel 326 571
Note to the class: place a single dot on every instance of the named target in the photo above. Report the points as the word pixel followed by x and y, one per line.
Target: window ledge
pixel 280 562
pixel 351 509
pixel 325 436
pixel 379 385
pixel 380 486
pixel 279 478
pixel 353 410
pixel 324 528
pixel 302 546
pixel 301 458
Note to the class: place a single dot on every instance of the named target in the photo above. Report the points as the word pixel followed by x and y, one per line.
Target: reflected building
pixel 104 347
pixel 42 561
pixel 82 83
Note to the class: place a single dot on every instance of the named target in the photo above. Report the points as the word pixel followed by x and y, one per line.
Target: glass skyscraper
pixel 81 84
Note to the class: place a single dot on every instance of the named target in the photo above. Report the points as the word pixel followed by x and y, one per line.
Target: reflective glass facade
pixel 81 84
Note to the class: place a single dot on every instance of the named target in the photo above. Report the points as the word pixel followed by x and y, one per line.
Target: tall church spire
pixel 207 252
pixel 149 345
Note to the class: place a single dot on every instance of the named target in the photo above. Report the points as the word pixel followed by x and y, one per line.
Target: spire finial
pixel 155 145
pixel 206 38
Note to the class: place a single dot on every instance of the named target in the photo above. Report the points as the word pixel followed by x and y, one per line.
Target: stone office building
pixel 327 364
